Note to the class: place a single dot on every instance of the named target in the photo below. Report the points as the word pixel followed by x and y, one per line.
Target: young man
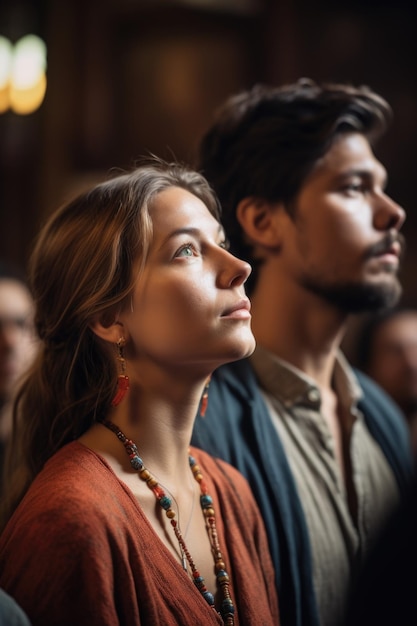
pixel 325 451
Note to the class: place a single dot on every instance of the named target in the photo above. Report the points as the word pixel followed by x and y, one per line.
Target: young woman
pixel 119 521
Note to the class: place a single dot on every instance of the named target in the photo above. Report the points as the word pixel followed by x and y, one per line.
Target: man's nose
pixel 389 214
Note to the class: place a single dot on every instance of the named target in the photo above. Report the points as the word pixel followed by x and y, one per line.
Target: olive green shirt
pixel 338 542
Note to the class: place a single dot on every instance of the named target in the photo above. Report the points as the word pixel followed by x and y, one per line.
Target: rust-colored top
pixel 79 551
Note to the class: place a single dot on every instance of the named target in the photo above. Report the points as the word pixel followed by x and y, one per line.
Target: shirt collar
pixel 293 387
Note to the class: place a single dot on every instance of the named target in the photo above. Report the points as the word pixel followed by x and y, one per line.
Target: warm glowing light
pixel 24 101
pixel 29 62
pixel 6 55
pixel 4 100
pixel 22 74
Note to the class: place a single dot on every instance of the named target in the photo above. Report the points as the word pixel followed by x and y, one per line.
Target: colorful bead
pixel 222 576
pixel 165 502
pixel 208 597
pixel 227 606
pixel 206 502
pixel 136 463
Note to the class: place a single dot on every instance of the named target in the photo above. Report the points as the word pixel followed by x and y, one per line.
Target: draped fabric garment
pixel 79 550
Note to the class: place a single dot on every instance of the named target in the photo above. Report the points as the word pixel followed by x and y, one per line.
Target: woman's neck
pixel 160 424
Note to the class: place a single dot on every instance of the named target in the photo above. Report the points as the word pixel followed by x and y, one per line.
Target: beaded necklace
pixel 206 502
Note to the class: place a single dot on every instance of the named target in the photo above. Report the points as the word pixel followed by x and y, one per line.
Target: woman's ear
pixel 261 221
pixel 106 326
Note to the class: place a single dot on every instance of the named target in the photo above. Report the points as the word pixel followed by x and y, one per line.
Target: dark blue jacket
pixel 237 428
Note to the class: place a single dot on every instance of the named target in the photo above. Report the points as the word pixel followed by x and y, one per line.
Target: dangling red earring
pixel 204 399
pixel 123 379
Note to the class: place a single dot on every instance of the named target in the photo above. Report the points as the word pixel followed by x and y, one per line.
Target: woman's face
pixel 189 305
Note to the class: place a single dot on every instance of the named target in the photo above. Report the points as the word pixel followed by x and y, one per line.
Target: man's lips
pixel 390 256
pixel 239 310
pixel 390 246
pixel 393 250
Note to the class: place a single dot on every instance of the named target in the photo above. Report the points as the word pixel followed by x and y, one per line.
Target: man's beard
pixel 357 297
pixel 362 297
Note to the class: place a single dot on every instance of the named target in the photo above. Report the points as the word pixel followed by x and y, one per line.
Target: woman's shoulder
pixel 71 489
pixel 75 468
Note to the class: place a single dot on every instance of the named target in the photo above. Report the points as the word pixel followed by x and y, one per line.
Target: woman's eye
pixel 187 250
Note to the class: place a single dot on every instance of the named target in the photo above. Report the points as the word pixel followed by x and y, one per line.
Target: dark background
pixel 126 77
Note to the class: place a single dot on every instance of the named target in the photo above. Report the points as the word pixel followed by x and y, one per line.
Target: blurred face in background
pixel 17 338
pixel 394 359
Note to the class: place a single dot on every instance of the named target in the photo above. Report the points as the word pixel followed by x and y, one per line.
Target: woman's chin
pixel 243 350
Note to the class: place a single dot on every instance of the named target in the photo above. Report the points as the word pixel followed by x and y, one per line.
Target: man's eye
pixel 225 244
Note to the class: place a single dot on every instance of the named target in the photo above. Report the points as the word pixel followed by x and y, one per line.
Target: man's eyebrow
pixel 366 173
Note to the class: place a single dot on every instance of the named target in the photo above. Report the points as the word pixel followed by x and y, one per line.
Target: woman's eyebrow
pixel 188 230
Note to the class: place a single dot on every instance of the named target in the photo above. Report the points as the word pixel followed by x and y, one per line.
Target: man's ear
pixel 106 326
pixel 261 222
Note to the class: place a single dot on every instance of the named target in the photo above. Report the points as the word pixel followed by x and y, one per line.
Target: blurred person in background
pixel 17 342
pixel 325 450
pixel 387 352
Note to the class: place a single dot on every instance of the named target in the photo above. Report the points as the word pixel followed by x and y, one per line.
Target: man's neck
pixel 302 330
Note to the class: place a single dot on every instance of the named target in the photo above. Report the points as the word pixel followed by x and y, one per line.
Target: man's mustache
pixel 384 245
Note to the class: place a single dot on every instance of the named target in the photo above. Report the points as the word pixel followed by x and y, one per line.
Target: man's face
pixel 17 341
pixel 345 245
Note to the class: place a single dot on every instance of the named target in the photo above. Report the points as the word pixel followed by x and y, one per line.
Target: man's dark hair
pixel 265 141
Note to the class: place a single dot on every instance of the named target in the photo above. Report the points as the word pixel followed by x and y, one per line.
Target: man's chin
pixel 365 297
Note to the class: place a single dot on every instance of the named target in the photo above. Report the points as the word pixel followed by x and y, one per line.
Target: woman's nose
pixel 235 271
